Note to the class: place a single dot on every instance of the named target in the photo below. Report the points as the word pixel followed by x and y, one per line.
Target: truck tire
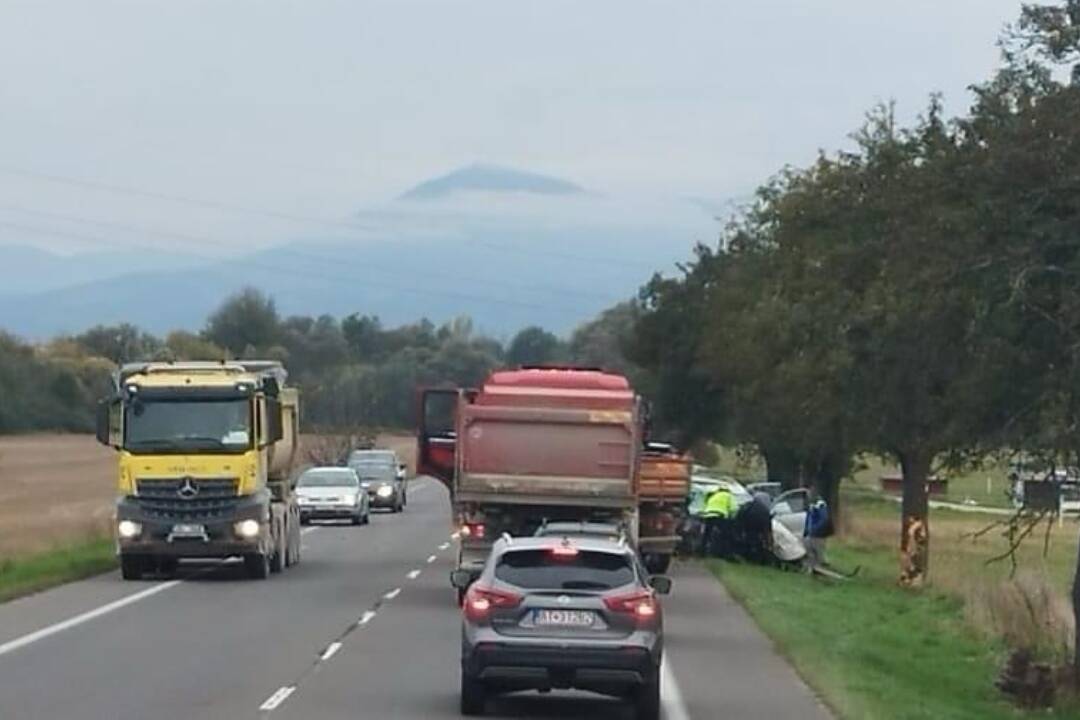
pixel 257 565
pixel 647 698
pixel 657 563
pixel 473 695
pixel 168 566
pixel 296 548
pixel 131 567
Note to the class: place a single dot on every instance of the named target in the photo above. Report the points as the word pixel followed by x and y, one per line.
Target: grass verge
pixel 873 651
pixel 38 571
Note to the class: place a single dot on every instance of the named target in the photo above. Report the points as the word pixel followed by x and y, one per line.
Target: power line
pixel 318 259
pixel 182 199
pixel 611 261
pixel 352 282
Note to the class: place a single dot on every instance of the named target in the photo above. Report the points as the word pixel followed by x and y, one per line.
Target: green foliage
pixel 872 650
pixel 535 346
pixel 246 321
pixel 43 391
pixel 119 343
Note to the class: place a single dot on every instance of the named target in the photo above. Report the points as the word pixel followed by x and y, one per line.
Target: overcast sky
pixel 318 108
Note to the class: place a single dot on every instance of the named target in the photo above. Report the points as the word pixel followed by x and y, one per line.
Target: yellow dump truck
pixel 206 451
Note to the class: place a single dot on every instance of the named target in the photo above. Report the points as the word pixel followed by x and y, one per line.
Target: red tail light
pixel 480 601
pixel 641 604
pixel 473 530
pixel 564 551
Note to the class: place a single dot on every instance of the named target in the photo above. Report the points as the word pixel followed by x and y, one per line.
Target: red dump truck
pixel 551 444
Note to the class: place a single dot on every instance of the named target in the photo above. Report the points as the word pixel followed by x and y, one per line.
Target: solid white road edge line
pixel 366 617
pixel 671 698
pixel 413 574
pixel 13 645
pixel 392 594
pixel 329 651
pixel 277 698
pixel 30 638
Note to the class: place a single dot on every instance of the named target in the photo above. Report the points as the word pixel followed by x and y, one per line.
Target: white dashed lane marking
pixel 413 574
pixel 366 617
pixel 392 594
pixel 432 558
pixel 329 651
pixel 277 698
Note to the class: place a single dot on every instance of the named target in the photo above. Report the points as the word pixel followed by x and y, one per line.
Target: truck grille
pixel 172 499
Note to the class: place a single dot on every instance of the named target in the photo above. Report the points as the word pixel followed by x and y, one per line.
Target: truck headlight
pixel 128 529
pixel 247 528
pixel 384 491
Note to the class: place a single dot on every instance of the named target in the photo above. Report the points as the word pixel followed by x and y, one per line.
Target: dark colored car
pixel 577 528
pixel 383 476
pixel 559 613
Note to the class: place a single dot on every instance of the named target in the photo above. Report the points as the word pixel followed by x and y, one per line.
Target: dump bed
pixel 547 456
pixel 664 477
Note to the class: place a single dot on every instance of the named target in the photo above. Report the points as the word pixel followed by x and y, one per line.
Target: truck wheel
pixel 168 567
pixel 277 560
pixel 296 549
pixel 647 698
pixel 473 695
pixel 657 564
pixel 131 567
pixel 257 565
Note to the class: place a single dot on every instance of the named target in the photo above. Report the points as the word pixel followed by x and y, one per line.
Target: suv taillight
pixel 640 604
pixel 480 601
pixel 473 530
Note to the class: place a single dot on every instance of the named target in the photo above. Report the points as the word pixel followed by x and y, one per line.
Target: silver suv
pixel 559 613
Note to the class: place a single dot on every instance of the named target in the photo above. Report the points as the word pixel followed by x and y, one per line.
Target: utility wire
pixel 611 261
pixel 315 258
pixel 351 281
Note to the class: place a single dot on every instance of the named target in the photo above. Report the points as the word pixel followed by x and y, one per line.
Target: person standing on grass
pixel 817 528
pixel 719 509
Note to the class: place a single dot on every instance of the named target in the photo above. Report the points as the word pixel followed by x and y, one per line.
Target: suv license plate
pixel 564 618
pixel 185 530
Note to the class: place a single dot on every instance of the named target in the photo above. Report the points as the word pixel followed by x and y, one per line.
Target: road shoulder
pixel 726 666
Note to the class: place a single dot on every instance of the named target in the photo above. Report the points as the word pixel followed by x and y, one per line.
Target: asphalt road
pixel 364 627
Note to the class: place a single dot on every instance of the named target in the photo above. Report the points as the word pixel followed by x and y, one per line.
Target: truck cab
pixel 205 452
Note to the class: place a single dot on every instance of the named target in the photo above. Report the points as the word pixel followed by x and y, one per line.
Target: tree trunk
pixel 915 519
pixel 781 466
pixel 1076 618
pixel 827 474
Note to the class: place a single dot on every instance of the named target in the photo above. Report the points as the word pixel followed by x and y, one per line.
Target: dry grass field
pixel 59 489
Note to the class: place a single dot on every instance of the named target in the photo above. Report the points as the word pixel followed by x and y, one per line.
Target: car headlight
pixel 353 499
pixel 302 500
pixel 384 491
pixel 247 528
pixel 128 529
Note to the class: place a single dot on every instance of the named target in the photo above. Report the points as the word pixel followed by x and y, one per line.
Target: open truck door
pixel 436 451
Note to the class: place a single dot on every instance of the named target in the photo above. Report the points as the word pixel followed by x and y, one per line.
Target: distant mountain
pixel 490 178
pixel 506 257
pixel 25 269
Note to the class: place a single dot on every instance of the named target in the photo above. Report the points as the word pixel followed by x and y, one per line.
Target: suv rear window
pixel 543 570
